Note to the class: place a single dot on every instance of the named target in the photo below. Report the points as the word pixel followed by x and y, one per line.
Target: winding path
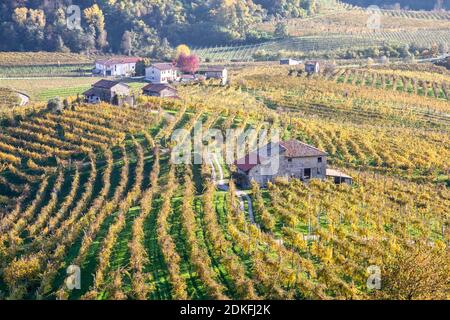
pixel 24 99
pixel 222 184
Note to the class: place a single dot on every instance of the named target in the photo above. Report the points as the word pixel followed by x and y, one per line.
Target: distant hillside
pixel 411 4
pixel 139 27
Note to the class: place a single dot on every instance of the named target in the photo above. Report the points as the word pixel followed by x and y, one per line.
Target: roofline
pixel 317 149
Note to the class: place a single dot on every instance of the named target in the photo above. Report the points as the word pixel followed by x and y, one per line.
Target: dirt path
pixel 222 184
pixel 24 99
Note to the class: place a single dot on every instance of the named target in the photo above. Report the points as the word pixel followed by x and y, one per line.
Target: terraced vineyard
pixel 95 187
pixel 325 44
pixel 340 28
pixel 431 86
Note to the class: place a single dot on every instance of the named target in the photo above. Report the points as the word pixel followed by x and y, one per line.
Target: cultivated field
pixel 95 187
pixel 48 88
pixel 341 28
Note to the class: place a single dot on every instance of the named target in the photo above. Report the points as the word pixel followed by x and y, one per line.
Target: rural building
pixel 187 78
pixel 339 177
pixel 120 67
pixel 312 67
pixel 160 90
pixel 161 73
pixel 295 160
pixel 220 73
pixel 113 92
pixel 290 62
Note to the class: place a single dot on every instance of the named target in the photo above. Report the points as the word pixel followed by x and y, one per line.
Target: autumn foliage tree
pixel 182 49
pixel 188 63
pixel 418 273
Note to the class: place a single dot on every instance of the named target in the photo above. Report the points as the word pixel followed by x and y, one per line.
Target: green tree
pixel 126 44
pixel 281 30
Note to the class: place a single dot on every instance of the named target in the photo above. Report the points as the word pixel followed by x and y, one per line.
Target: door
pixel 307 173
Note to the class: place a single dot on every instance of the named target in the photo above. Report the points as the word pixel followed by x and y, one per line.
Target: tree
pixel 443 48
pixel 20 15
pixel 55 105
pixel 102 41
pixel 182 49
pixel 188 64
pixel 126 44
pixel 164 51
pixel 88 39
pixel 417 272
pixel 281 30
pixel 59 45
pixel 140 67
pixel 94 16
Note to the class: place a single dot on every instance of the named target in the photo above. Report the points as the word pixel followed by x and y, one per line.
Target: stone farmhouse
pixel 161 73
pixel 118 67
pixel 293 159
pixel 160 90
pixel 113 92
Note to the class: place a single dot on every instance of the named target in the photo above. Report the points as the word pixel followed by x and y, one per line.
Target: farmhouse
pixel 312 67
pixel 113 92
pixel 161 73
pixel 120 67
pixel 220 73
pixel 290 62
pixel 290 159
pixel 160 90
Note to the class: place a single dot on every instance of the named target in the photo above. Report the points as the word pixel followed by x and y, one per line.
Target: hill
pixel 137 27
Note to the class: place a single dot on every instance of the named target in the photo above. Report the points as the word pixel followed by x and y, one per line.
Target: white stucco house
pixel 119 67
pixel 161 73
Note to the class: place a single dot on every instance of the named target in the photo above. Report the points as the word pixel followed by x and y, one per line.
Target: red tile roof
pixel 119 60
pixel 163 66
pixel 213 69
pixel 107 84
pixel 297 149
pixel 158 87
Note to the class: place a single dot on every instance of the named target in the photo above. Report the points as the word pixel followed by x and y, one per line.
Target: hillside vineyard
pixel 262 154
pixel 93 187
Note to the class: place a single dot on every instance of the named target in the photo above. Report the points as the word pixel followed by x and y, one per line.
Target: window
pixel 319 160
pixel 290 160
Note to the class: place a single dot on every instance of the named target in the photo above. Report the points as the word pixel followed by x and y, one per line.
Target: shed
pixel 339 177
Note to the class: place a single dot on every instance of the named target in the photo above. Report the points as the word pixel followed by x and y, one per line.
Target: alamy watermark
pixel 73 18
pixel 73 281
pixel 374 20
pixel 374 279
pixel 249 147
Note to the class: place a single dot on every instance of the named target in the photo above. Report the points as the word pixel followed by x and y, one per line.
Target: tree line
pixel 141 27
